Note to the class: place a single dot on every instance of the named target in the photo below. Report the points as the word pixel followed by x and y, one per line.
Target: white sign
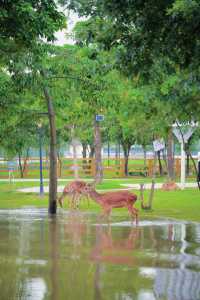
pixel 184 137
pixel 158 145
pixel 187 123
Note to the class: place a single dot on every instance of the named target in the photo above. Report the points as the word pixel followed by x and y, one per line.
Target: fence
pixel 112 168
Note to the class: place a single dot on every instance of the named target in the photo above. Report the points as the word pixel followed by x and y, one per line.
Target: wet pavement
pixel 73 256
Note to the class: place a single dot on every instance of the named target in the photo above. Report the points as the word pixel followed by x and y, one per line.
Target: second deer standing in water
pixel 111 200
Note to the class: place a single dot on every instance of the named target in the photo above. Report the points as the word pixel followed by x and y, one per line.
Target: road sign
pixel 99 118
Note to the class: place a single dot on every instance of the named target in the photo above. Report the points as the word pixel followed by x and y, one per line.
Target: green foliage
pixel 26 21
pixel 149 29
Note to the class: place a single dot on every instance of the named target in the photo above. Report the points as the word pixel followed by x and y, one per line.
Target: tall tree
pixel 24 24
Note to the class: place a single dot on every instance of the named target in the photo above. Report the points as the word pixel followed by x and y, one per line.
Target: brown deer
pixel 75 190
pixel 111 200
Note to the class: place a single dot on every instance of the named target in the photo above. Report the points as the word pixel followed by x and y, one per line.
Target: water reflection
pixel 116 251
pixel 71 256
pixel 54 256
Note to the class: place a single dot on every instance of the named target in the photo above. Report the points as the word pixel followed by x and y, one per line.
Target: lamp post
pixel 40 154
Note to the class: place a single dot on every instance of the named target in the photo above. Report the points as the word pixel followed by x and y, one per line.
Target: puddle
pixel 72 256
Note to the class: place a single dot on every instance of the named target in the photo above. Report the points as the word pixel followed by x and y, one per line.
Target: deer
pixel 111 200
pixel 75 190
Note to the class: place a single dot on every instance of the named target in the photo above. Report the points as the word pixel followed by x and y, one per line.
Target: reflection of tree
pixel 97 282
pixel 54 273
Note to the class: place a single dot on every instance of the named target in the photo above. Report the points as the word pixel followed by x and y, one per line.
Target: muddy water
pixel 72 256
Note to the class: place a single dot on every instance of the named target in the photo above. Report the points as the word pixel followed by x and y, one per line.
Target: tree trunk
pixel 170 156
pixel 151 194
pixel 98 159
pixel 60 164
pixel 25 163
pixel 75 162
pixel 196 168
pixel 53 152
pixel 84 161
pixel 160 164
pixel 126 150
pixel 20 165
pixel 92 151
pixel 116 152
pixel 84 152
pixel 126 165
pixel 119 149
pixel 108 152
pixel 145 157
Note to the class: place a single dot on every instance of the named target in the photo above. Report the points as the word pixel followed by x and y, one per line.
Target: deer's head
pixel 89 187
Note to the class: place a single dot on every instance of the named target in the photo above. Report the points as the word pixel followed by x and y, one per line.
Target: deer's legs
pixel 75 197
pixel 71 201
pixel 106 212
pixel 77 200
pixel 88 200
pixel 60 199
pixel 133 213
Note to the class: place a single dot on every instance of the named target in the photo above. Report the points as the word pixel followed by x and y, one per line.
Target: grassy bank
pixel 183 205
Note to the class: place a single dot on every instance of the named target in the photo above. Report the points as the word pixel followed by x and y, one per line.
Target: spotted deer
pixel 111 200
pixel 74 190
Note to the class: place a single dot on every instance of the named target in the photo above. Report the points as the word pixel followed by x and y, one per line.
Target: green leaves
pixel 27 20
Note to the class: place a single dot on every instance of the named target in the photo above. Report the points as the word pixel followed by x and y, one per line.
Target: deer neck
pixel 96 196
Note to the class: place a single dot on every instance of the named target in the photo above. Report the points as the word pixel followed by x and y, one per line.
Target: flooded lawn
pixel 74 257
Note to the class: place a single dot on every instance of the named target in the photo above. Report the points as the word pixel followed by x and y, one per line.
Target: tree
pixel 25 22
pixel 148 34
pixel 23 26
pixel 83 72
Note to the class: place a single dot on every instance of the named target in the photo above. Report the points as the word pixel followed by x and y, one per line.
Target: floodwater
pixel 72 256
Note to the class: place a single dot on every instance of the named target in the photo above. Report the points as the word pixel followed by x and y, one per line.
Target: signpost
pixel 183 137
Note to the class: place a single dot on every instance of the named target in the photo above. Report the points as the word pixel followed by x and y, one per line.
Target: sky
pixel 62 35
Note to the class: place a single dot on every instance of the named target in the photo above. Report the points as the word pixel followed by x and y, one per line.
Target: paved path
pixel 61 187
pixel 158 185
pixel 38 180
pixel 59 180
pixel 126 186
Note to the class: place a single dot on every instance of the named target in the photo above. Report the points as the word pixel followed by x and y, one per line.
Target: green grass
pixel 184 205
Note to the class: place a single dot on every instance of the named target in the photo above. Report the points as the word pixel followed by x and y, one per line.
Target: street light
pixel 40 154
